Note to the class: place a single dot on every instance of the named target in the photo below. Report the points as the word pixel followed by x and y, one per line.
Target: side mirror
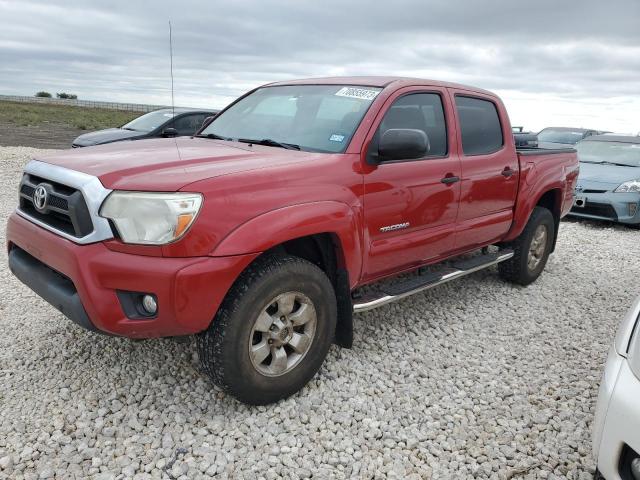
pixel 403 144
pixel 169 132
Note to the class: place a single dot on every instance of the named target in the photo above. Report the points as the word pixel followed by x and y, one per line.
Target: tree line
pixel 67 96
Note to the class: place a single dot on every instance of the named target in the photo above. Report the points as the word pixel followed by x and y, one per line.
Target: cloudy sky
pixel 562 62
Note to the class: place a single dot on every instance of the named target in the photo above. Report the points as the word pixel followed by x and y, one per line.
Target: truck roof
pixel 379 81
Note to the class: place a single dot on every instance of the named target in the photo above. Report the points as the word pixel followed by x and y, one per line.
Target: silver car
pixel 616 429
pixel 608 186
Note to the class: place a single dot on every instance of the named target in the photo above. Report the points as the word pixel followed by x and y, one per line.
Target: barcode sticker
pixel 361 93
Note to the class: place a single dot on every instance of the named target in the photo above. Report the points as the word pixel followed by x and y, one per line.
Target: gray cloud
pixel 578 54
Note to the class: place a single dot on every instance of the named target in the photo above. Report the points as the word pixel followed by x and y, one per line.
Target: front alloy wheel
pixel 273 330
pixel 282 334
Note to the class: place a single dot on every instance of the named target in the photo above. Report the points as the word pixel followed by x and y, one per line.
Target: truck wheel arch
pixel 277 227
pixel 324 233
pixel 551 199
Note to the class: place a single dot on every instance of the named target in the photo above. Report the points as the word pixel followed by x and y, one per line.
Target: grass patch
pixel 83 118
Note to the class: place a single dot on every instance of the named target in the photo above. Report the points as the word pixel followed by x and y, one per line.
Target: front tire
pixel 531 249
pixel 272 332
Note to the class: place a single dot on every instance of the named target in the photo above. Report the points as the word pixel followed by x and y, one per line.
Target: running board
pixel 420 283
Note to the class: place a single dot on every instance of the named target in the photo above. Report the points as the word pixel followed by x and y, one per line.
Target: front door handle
pixel 507 172
pixel 449 179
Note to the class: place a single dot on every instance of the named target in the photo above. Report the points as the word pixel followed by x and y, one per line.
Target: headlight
pixel 151 218
pixel 629 187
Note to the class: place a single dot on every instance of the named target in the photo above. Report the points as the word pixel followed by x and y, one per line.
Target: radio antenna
pixel 173 105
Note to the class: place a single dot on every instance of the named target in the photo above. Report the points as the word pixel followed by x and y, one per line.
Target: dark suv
pixel 159 123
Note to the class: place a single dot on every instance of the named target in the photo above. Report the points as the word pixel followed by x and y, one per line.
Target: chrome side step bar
pixel 420 283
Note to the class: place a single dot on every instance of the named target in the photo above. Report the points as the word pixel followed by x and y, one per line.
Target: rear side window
pixel 421 111
pixel 479 126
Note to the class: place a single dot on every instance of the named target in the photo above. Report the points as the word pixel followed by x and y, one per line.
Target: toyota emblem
pixel 40 197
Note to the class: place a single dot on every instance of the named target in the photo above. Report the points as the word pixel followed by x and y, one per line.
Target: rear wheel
pixel 272 332
pixel 531 249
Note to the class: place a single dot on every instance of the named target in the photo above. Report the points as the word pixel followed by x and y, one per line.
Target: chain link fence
pixel 130 107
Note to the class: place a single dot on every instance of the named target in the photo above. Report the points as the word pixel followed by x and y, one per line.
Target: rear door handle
pixel 450 179
pixel 507 172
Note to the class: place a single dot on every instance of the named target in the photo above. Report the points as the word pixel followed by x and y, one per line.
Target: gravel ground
pixel 48 135
pixel 474 379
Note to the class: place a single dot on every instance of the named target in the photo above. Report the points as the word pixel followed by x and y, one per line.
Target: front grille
pixel 65 210
pixel 603 210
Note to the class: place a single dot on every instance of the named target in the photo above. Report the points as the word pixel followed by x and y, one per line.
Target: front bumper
pixel 617 207
pixel 188 290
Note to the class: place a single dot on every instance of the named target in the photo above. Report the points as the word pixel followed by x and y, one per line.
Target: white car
pixel 616 430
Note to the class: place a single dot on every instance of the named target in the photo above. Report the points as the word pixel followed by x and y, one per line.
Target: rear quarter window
pixel 480 126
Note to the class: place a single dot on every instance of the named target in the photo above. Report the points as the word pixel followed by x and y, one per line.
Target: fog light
pixel 633 209
pixel 149 304
pixel 635 468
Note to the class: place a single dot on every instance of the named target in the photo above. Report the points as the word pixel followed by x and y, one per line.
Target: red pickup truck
pixel 257 233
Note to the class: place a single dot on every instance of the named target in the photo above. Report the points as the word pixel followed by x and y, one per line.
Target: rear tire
pixel 272 331
pixel 531 249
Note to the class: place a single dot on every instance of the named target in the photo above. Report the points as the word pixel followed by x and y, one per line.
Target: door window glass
pixel 188 124
pixel 479 126
pixel 420 111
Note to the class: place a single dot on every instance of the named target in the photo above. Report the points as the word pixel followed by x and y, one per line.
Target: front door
pixel 411 205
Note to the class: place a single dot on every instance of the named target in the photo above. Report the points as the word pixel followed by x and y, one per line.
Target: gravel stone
pixel 474 379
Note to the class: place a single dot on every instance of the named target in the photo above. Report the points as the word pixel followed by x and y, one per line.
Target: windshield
pixel 627 154
pixel 318 118
pixel 560 136
pixel 148 121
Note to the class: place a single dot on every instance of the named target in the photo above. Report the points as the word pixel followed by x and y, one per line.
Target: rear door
pixel 410 212
pixel 489 170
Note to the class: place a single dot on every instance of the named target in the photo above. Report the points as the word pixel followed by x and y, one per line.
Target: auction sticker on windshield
pixel 362 93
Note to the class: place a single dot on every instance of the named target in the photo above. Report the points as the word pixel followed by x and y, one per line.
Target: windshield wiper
pixel 213 136
pixel 130 129
pixel 271 143
pixel 613 163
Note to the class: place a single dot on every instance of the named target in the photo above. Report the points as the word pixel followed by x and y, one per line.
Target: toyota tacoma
pixel 258 234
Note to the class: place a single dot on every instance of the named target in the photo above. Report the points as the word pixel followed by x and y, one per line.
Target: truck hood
pixel 106 136
pixel 169 164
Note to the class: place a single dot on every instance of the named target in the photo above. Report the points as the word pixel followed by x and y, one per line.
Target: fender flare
pixel 524 208
pixel 277 226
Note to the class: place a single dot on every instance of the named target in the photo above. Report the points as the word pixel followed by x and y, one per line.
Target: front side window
pixel 419 111
pixel 189 124
pixel 480 127
pixel 317 118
